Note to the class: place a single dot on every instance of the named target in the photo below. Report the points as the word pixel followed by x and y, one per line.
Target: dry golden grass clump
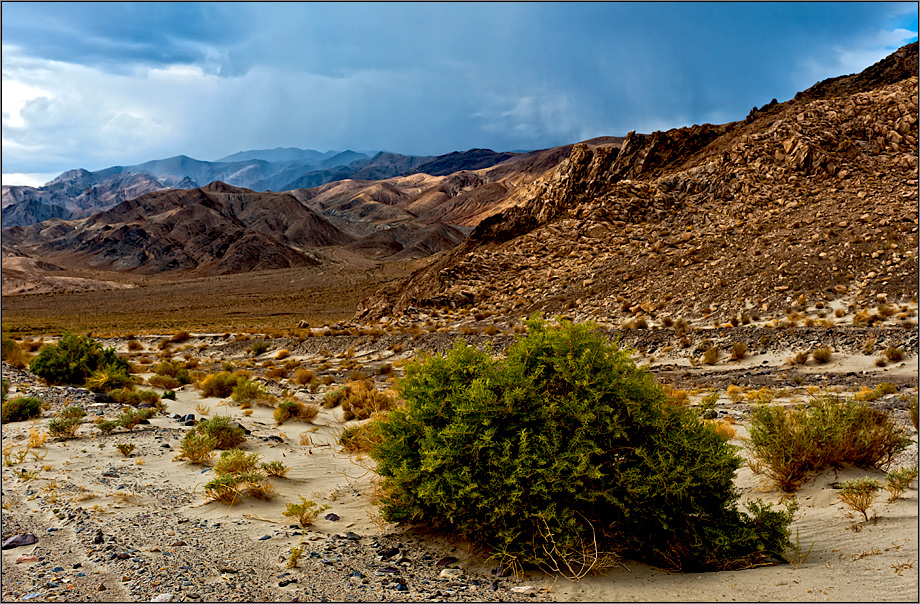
pixel 739 351
pixel 360 438
pixel 363 401
pixel 735 393
pixel 179 337
pixel 724 429
pixel 37 438
pixel 799 358
pixel 822 354
pixel 296 409
pixel 711 356
pixel 276 373
pixel 894 354
pixel 676 396
pixel 304 376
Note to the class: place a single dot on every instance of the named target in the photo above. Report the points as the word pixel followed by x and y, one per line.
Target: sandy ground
pixel 849 559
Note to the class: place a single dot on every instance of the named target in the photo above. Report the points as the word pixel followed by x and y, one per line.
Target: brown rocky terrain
pixel 216 229
pixel 812 201
pixel 73 195
pixel 221 229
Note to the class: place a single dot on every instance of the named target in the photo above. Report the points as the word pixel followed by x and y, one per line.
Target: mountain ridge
pixel 689 221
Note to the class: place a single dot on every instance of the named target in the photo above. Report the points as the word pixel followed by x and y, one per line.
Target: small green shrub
pixel 170 394
pixel 223 488
pixel 196 448
pixel 830 432
pixel 565 454
pixel 226 436
pixel 235 461
pixel 72 411
pixel 707 406
pixel 125 449
pixel 306 511
pixel 163 381
pixel 275 468
pixel 284 411
pixel 131 418
pixel 63 428
pixel 219 385
pixel 21 408
pixel 134 397
pixel 899 481
pixel 75 358
pixel 176 370
pixel 258 347
pixel 335 398
pixel 859 494
pixel 247 391
pixel 107 426
pixel 912 408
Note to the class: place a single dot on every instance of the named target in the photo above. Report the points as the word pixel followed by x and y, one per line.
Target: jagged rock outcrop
pixel 814 199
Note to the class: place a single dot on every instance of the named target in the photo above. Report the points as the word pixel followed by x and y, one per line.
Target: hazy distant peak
pixel 279 154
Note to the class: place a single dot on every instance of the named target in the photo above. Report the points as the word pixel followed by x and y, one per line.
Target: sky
pixel 88 85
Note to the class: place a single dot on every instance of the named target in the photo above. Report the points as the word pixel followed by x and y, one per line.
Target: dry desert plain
pixel 115 527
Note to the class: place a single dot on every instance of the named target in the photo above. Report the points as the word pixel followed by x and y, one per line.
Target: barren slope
pixel 816 197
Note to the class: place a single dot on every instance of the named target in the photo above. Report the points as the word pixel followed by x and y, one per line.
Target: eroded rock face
pixel 816 197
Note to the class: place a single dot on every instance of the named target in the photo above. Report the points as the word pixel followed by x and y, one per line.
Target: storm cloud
pixel 93 85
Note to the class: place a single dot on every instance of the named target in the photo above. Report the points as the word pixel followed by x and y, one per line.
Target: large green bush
pixel 787 444
pixel 74 358
pixel 565 454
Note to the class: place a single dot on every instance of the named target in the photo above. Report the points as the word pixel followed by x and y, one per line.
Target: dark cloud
pixel 120 36
pixel 421 78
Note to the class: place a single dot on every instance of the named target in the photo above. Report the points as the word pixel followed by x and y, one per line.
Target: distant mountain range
pixel 79 193
pixel 219 228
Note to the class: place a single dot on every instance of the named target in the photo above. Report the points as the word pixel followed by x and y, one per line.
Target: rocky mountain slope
pixel 192 231
pixel 805 202
pixel 79 193
pixel 72 195
pixel 216 229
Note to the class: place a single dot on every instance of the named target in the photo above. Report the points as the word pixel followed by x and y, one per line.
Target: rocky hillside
pixel 809 201
pixel 213 230
pixel 73 195
pixel 221 229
